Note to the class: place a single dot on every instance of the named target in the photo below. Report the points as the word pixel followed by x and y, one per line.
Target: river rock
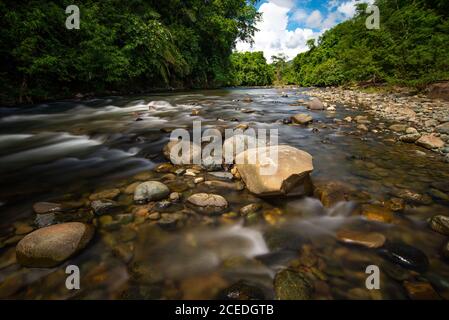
pixel 366 239
pixel 250 208
pixel 315 104
pixel 443 128
pixel 100 207
pixel 290 177
pixel 208 203
pixel 302 118
pixel 150 191
pixel 377 213
pixel 410 138
pixel 241 291
pixel 222 175
pixel 291 285
pixel 46 207
pixel 430 142
pixel 419 290
pixel 440 223
pixel 406 256
pixel 411 130
pixel 398 127
pixel 105 194
pixel 50 246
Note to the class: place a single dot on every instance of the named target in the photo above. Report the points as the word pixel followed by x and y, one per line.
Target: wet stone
pixel 101 207
pixel 291 285
pixel 170 220
pixel 406 256
pixel 44 220
pixel 377 213
pixel 366 239
pixel 150 191
pixel 208 203
pixel 105 194
pixel 250 208
pixel 50 246
pixel 46 207
pixel 420 291
pixel 440 223
pixel 241 291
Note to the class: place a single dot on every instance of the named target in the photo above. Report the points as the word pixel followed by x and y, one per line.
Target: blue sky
pixel 287 24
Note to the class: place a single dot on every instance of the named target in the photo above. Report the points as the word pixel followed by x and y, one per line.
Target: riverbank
pixel 413 118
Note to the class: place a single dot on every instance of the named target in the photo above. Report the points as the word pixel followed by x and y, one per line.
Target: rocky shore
pixel 412 118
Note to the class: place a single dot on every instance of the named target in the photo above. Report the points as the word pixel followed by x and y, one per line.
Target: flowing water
pixel 64 151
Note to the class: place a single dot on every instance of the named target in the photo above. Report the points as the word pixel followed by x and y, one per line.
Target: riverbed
pixel 65 152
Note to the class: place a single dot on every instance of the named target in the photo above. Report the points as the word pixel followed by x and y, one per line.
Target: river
pixel 65 151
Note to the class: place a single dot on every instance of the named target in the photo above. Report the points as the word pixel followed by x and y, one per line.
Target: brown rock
pixel 105 194
pixel 207 202
pixel 46 207
pixel 366 239
pixel 420 291
pixel 430 142
pixel 315 104
pixel 50 246
pixel 288 174
pixel 302 118
pixel 377 213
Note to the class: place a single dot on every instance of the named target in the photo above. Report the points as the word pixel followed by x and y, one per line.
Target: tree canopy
pixel 121 45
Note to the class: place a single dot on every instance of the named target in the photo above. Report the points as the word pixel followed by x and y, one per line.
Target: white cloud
pixel 314 20
pixel 273 37
pixel 284 3
pixel 348 8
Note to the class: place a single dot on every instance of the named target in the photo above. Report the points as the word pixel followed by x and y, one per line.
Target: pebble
pixel 105 194
pixel 366 239
pixel 208 203
pixel 377 213
pixel 100 207
pixel 46 207
pixel 406 256
pixel 150 191
pixel 302 118
pixel 241 291
pixel 440 223
pixel 250 208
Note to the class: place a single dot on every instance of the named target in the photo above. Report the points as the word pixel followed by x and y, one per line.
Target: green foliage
pixel 121 45
pixel 411 47
pixel 250 69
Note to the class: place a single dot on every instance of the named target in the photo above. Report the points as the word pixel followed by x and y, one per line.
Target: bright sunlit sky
pixel 287 24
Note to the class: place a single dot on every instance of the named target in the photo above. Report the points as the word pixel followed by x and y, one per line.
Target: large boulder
pixel 289 177
pixel 315 104
pixel 150 191
pixel 429 141
pixel 50 246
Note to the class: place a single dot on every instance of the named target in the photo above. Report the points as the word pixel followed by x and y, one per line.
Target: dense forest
pixel 410 48
pixel 139 45
pixel 123 46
